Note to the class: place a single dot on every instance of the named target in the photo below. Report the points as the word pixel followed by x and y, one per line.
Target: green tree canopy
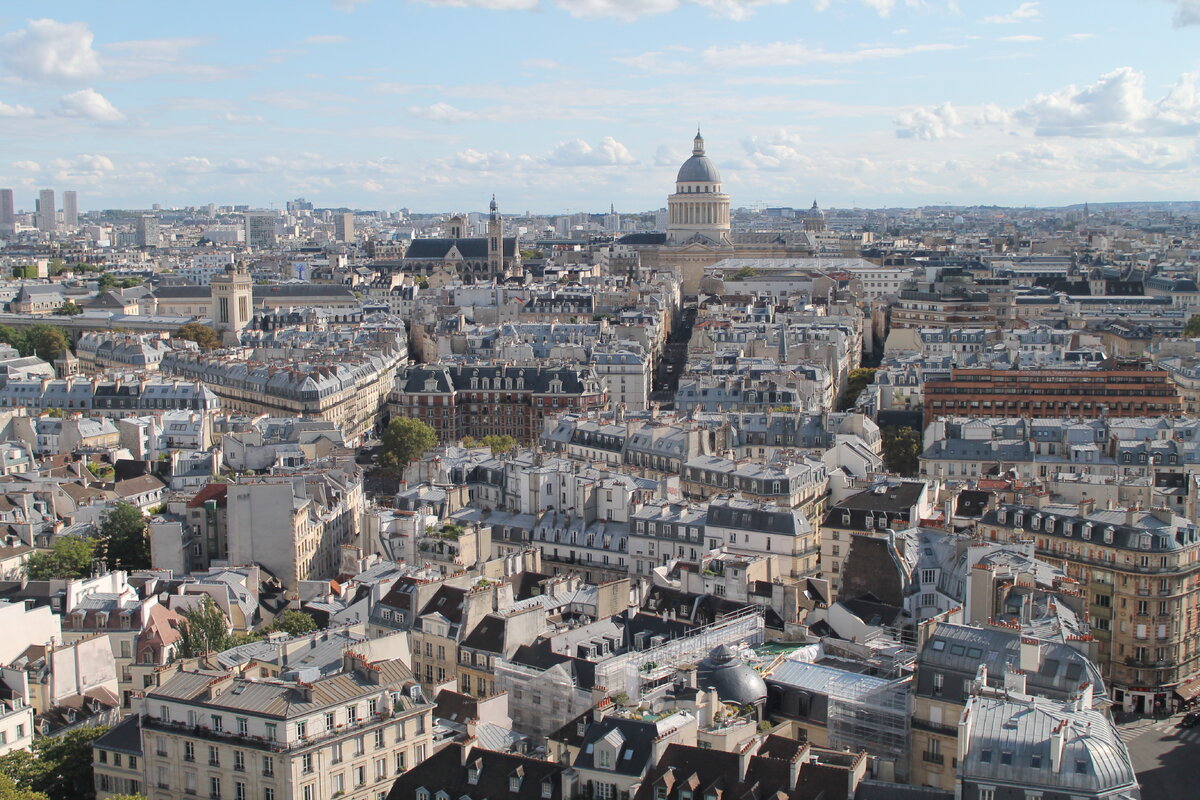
pixel 499 444
pixel 742 273
pixel 126 541
pixel 858 380
pixel 202 335
pixel 59 767
pixel 1192 329
pixel 203 629
pixel 68 557
pixel 68 309
pixel 404 440
pixel 902 450
pixel 46 342
pixel 294 623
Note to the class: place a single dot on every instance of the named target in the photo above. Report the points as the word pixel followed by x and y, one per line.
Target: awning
pixel 1188 689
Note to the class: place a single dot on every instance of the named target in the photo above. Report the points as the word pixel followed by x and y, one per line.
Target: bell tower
pixel 232 295
pixel 495 241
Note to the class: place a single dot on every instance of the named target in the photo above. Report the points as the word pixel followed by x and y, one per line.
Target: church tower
pixel 495 241
pixel 698 209
pixel 232 295
pixel 457 227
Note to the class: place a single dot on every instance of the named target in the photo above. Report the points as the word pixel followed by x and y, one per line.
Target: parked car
pixel 1190 719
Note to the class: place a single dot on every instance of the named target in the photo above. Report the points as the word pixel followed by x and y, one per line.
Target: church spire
pixel 698 143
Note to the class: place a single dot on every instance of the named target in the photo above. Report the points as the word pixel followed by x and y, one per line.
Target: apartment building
pixel 478 401
pixel 1140 570
pixel 748 528
pixel 295 525
pixel 229 738
pixel 1115 389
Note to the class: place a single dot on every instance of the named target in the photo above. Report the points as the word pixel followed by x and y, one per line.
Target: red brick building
pixel 483 400
pixel 1114 389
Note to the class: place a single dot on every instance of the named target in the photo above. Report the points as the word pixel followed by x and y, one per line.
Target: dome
pixel 699 168
pixel 735 681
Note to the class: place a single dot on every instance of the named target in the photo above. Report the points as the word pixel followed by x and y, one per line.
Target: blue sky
pixel 570 105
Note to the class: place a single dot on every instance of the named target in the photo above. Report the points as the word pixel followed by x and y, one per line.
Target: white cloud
pixel 1187 12
pixel 622 9
pixel 799 53
pixel 1022 37
pixel 243 119
pixel 15 111
pixel 326 39
pixel 89 104
pixel 578 153
pixel 928 124
pixel 1026 12
pixel 1080 37
pixel 1115 105
pixel 28 166
pixel 443 112
pixel 84 167
pixel 777 151
pixel 50 50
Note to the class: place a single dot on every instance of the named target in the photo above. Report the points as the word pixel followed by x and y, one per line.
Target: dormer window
pixel 547 789
pixel 514 783
pixel 473 774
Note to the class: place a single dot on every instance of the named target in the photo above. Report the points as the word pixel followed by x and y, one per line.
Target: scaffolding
pixel 648 669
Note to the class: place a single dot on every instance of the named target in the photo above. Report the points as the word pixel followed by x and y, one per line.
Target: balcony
pixel 934 727
pixel 259 742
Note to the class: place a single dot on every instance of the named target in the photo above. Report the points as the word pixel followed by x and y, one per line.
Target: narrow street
pixel 673 361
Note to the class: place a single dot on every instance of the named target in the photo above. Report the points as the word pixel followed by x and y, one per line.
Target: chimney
pixel 467 747
pixel 1014 681
pixel 1058 740
pixel 1031 654
pixel 1085 697
pixel 1086 505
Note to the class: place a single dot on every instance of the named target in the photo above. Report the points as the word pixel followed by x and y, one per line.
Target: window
pixel 302 729
pixel 243 726
pixel 310 792
pixel 379 741
pixel 339 783
pixel 189 751
pixel 214 787
pixel 360 776
pixel 928 576
pixel 239 761
pixel 514 783
pixel 306 763
pixel 272 732
pixel 987 794
pixel 605 758
pixel 336 751
pixel 380 768
pixel 399 763
pixel 985 756
pixel 268 765
pixel 330 720
pixel 268 793
pixel 1035 761
pixel 218 723
pixel 214 756
pixel 547 789
pixel 239 791
pixel 939 681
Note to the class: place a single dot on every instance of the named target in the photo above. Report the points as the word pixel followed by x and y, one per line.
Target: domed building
pixel 699 210
pixel 699 228
pixel 734 680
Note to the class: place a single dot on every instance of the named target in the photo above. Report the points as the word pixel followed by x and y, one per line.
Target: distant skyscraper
pixel 260 228
pixel 147 231
pixel 70 209
pixel 8 216
pixel 47 217
pixel 343 227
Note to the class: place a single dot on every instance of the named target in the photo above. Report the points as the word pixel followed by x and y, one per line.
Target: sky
pixel 560 106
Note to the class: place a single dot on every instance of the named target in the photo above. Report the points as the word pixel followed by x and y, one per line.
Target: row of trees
pixel 47 342
pixel 121 540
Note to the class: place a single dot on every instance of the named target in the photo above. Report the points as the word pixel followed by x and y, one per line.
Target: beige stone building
pixel 345 735
pixel 1140 569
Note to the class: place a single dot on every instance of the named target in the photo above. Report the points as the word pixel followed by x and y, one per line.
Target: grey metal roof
pixel 698 169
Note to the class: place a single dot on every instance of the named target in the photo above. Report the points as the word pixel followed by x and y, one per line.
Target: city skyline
pixel 567 106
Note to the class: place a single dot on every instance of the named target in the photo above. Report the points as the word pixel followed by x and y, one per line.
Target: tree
pixel 124 534
pixel 202 335
pixel 902 450
pixel 11 336
pixel 68 557
pixel 858 380
pixel 58 767
pixel 404 440
pixel 1192 329
pixel 294 623
pixel 47 342
pixel 499 444
pixel 204 629
pixel 743 273
pixel 68 309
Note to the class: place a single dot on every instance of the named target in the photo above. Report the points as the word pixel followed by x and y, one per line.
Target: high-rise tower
pixel 232 295
pixel 495 241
